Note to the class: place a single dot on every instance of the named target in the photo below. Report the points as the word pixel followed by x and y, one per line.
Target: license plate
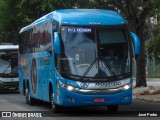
pixel 98 100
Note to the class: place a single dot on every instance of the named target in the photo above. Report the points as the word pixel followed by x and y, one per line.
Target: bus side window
pixel 20 43
pixel 24 37
pixel 48 37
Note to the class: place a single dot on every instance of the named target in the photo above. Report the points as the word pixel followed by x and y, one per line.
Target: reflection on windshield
pixel 85 55
pixel 80 49
pixel 114 51
pixel 8 62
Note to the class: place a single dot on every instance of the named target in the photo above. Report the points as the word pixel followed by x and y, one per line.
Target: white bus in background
pixel 8 66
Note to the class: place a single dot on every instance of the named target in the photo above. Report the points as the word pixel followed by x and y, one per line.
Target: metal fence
pixel 153 68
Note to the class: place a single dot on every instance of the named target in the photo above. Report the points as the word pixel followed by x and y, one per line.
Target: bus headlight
pixel 126 87
pixel 70 88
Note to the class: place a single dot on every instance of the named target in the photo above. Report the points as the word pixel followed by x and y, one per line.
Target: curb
pixel 146 99
pixel 150 90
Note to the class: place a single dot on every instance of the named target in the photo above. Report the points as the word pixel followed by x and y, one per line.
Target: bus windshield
pixel 8 62
pixel 95 52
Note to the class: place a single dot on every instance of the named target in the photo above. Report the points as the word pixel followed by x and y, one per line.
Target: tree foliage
pixel 153 47
pixel 8 20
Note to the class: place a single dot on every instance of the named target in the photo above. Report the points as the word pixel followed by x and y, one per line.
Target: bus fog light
pixel 70 99
pixel 126 87
pixel 70 88
pixel 125 98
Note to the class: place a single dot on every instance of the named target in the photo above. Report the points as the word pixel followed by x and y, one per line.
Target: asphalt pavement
pixel 13 101
pixel 16 102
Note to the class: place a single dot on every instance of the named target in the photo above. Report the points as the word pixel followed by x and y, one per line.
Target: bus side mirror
pixel 136 42
pixel 57 47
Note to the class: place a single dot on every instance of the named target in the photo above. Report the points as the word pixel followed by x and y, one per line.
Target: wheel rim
pixel 28 95
pixel 26 91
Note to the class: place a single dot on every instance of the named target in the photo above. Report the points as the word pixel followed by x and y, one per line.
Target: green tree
pixel 153 46
pixel 42 7
pixel 157 47
pixel 8 21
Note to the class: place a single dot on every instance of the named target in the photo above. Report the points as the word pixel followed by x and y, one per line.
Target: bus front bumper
pixel 87 98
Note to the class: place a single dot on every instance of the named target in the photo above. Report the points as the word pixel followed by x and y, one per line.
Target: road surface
pixel 16 102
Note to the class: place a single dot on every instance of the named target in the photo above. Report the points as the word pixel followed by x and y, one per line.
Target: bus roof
pixel 80 17
pixel 8 47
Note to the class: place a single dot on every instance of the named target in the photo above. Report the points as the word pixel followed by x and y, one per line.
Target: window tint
pixel 111 36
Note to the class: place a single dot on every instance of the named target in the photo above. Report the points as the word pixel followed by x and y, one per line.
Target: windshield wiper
pixel 91 65
pixel 89 68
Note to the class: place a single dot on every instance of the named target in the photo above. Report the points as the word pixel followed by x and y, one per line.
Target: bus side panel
pixel 41 72
pixel 35 84
pixel 48 78
pixel 22 72
pixel 45 73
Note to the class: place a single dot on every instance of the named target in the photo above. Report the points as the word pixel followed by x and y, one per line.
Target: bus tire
pixel 112 108
pixel 54 107
pixel 29 99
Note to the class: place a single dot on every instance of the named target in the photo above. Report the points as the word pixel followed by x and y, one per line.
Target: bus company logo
pixel 99 92
pixel 84 85
pixel 34 82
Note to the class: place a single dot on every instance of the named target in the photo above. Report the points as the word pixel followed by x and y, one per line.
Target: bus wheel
pixel 54 107
pixel 112 108
pixel 29 99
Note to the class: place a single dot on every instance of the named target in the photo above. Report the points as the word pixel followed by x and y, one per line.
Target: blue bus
pixel 77 57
